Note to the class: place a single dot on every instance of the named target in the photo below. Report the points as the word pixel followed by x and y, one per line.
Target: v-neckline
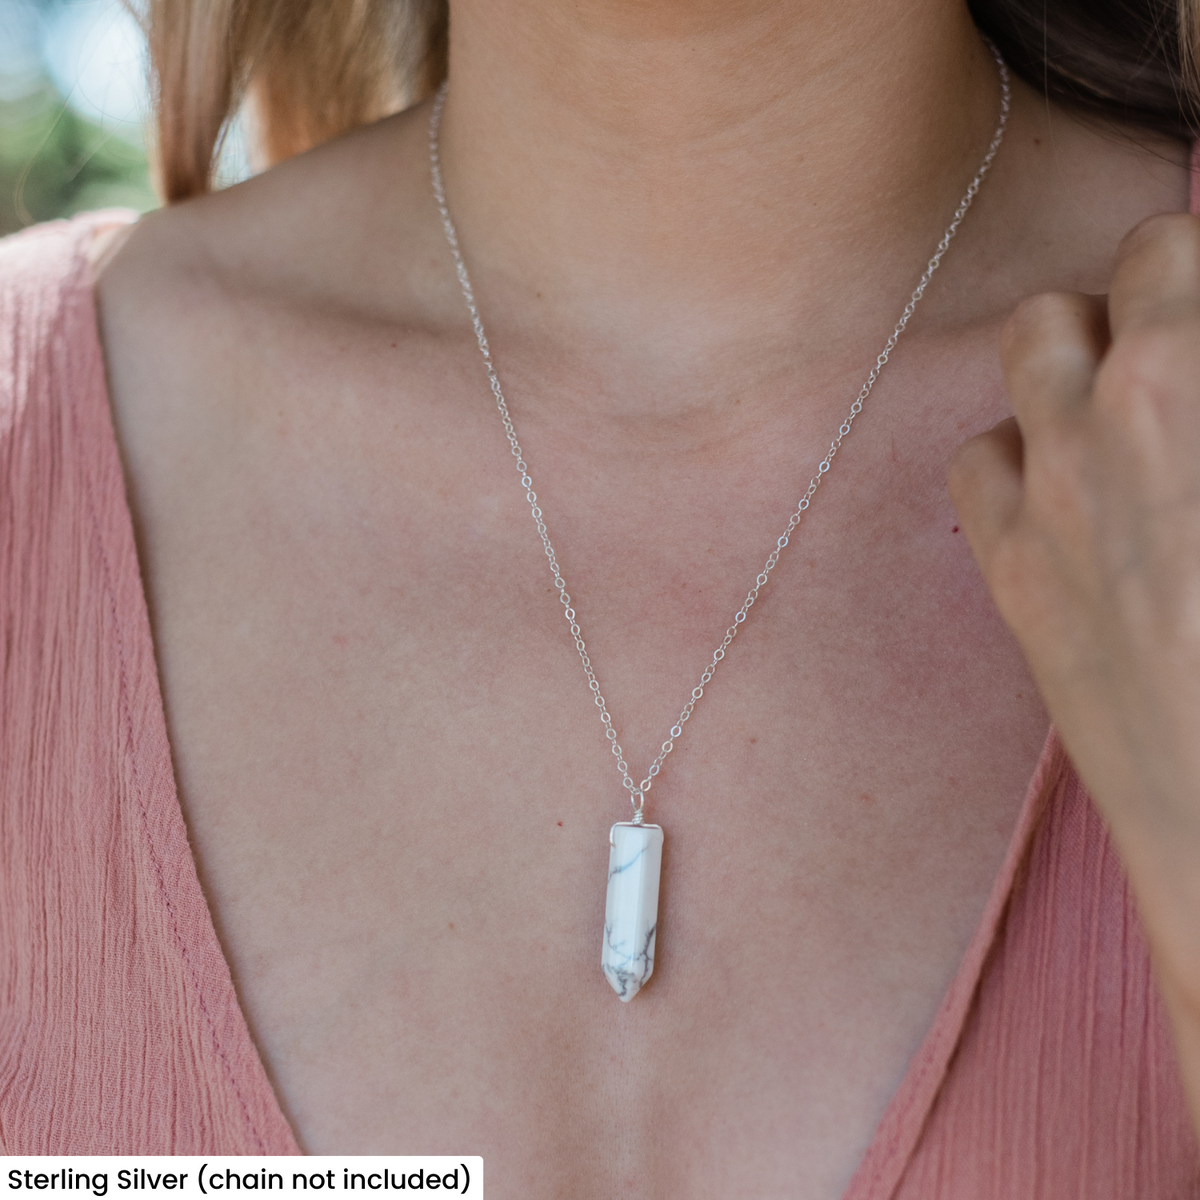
pixel 895 1136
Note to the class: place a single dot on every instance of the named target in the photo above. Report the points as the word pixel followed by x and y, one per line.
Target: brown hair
pixel 316 68
pixel 1132 60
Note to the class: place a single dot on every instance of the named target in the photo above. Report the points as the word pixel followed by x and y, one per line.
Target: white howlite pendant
pixel 631 909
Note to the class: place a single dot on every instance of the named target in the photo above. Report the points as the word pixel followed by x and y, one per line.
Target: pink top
pixel 1048 1073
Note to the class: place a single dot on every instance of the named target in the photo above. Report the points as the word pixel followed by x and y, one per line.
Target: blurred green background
pixel 54 162
pixel 73 106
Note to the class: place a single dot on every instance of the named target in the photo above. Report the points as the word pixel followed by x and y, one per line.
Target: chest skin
pixel 398 786
pixel 399 789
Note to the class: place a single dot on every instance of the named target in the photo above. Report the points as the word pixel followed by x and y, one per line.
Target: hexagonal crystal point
pixel 631 907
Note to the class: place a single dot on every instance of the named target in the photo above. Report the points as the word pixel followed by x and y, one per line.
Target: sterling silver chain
pixel 638 790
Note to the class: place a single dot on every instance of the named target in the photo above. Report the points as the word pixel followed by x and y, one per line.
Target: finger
pixel 1157 274
pixel 1050 350
pixel 987 486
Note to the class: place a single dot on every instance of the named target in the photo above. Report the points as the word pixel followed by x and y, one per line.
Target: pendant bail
pixel 637 798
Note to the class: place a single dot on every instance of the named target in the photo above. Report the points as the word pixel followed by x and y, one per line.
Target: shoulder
pixel 53 408
pixel 215 307
pixel 344 228
pixel 53 431
pixel 46 308
pixel 41 266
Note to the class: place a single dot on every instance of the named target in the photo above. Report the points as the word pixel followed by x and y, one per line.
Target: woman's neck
pixel 722 164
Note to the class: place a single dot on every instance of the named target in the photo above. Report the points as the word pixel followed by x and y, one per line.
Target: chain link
pixel 638 790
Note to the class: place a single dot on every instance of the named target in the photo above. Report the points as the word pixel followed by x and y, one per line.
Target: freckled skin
pixel 395 780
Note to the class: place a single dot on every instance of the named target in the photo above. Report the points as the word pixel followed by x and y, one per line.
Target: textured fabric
pixel 1049 1072
pixel 119 1027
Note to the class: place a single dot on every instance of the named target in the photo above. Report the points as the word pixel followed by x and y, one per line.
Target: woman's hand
pixel 1084 514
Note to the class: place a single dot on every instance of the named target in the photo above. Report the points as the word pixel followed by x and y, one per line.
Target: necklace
pixel 635 847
